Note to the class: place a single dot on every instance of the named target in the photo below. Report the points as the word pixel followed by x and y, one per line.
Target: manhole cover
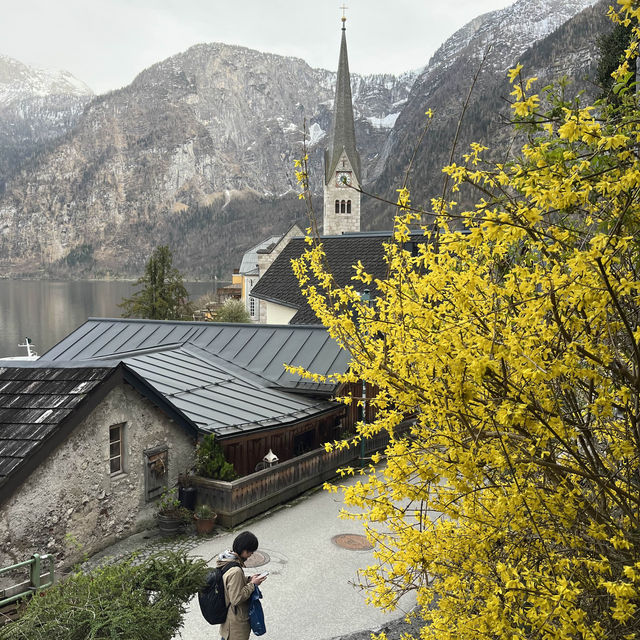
pixel 352 541
pixel 257 559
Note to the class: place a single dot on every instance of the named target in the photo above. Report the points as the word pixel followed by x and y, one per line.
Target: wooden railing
pixel 241 499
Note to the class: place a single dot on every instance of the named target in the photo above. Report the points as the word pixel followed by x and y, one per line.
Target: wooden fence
pixel 241 499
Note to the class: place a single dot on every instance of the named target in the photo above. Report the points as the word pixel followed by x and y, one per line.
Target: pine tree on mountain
pixel 611 48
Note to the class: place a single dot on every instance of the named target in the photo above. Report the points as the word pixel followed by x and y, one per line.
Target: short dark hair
pixel 245 541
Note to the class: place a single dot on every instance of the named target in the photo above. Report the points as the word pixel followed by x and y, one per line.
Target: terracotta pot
pixel 205 525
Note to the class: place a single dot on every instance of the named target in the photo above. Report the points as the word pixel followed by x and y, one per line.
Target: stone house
pixel 93 431
pixel 84 452
pixel 255 263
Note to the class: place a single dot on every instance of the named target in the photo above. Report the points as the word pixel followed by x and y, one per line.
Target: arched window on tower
pixel 337 206
pixel 342 207
pixel 348 206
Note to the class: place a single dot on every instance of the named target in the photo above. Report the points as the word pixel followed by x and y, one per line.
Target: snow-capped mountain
pixel 19 81
pixel 37 106
pixel 214 127
pixel 198 151
pixel 550 37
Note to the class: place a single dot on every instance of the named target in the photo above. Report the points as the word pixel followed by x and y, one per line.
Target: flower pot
pixel 205 525
pixel 169 525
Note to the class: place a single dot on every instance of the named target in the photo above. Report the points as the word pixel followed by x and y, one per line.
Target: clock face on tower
pixel 343 178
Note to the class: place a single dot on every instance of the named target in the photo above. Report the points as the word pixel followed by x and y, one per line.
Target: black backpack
pixel 211 598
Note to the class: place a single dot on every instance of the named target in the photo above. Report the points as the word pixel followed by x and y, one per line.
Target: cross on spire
pixel 344 16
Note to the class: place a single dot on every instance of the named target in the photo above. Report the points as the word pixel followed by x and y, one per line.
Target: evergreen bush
pixel 134 600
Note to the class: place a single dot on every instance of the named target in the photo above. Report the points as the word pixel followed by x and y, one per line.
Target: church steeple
pixel 341 158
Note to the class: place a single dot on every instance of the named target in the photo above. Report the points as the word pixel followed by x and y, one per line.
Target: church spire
pixel 341 158
pixel 343 137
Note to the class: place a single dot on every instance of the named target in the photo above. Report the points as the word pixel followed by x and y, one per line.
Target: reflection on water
pixel 47 311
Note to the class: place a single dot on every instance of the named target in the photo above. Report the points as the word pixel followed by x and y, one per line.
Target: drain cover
pixel 257 559
pixel 352 542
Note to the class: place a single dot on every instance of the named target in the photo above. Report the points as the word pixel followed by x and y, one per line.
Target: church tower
pixel 341 159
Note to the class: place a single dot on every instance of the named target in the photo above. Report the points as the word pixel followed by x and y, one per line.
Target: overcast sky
pixel 106 43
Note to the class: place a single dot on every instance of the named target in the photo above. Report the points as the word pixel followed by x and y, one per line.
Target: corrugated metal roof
pixel 262 350
pixel 216 398
pixel 225 378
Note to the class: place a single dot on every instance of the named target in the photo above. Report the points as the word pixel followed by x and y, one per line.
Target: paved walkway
pixel 309 593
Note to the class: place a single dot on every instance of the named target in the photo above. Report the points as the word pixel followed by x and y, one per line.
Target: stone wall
pixel 265 260
pixel 71 504
pixel 337 223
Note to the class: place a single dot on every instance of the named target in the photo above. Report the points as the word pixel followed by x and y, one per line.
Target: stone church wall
pixel 71 504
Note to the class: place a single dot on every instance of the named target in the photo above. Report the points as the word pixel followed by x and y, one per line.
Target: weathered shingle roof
pixel 280 285
pixel 37 405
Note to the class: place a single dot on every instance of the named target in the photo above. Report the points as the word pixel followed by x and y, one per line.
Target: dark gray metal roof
pixel 215 398
pixel 262 350
pixel 225 378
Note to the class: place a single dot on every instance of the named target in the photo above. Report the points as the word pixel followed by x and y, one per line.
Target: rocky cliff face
pixel 192 133
pixel 551 38
pixel 36 108
pixel 198 151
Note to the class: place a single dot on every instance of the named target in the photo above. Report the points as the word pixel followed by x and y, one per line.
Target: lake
pixel 46 311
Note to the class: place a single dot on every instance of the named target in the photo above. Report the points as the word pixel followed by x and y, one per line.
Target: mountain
pixel 36 107
pixel 551 38
pixel 198 151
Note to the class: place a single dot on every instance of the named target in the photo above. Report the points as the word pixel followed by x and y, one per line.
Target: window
pixel 342 207
pixel 303 442
pixel 116 449
pixel 337 206
pixel 348 206
pixel 252 306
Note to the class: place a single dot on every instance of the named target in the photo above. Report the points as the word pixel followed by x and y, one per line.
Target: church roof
pixel 343 136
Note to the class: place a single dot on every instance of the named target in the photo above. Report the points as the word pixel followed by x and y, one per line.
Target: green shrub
pixel 210 460
pixel 171 506
pixel 131 600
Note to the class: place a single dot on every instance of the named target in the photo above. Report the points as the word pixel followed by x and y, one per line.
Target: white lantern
pixel 271 458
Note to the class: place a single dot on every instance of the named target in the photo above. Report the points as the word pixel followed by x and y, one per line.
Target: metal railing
pixel 36 578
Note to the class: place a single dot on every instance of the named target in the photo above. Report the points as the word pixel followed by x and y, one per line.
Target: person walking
pixel 238 587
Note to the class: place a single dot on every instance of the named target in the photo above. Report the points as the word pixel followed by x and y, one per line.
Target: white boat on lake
pixel 31 354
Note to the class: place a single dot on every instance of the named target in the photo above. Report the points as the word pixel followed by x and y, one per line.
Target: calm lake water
pixel 47 311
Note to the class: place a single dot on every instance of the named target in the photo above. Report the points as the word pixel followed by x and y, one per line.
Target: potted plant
pixel 171 514
pixel 205 518
pixel 210 460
